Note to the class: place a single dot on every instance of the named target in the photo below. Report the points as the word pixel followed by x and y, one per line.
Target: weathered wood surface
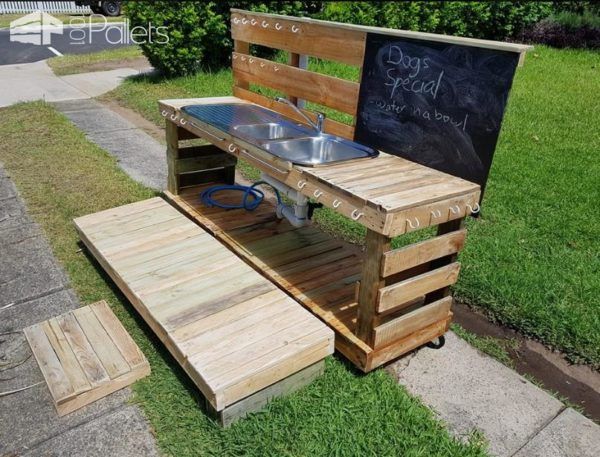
pixel 387 194
pixel 84 355
pixel 342 40
pixel 317 270
pixel 232 330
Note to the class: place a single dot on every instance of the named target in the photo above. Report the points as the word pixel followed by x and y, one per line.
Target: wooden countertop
pixel 388 194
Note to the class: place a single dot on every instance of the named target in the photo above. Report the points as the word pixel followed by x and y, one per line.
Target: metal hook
pixel 317 193
pixel 265 24
pixel 182 121
pixel 356 215
pixel 411 224
pixel 276 68
pixel 476 210
pixel 235 56
pixel 236 20
pixel 164 113
pixel 243 58
pixel 253 21
pixel 173 117
pixel 251 60
pixel 436 213
pixel 278 26
pixel 336 203
pixel 231 147
pixel 244 21
pixel 295 29
pixel 455 211
pixel 301 184
pixel 262 64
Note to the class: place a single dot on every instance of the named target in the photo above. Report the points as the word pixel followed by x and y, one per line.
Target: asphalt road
pixel 72 41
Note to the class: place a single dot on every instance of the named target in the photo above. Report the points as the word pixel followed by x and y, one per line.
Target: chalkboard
pixel 435 103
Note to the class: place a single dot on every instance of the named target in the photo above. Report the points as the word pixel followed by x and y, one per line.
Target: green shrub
pixel 573 21
pixel 198 32
pixel 491 20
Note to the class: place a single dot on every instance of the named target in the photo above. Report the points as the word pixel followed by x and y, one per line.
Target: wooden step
pixel 232 330
pixel 85 355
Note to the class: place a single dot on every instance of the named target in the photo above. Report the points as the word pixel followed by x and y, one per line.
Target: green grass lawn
pixel 532 261
pixel 61 176
pixel 81 63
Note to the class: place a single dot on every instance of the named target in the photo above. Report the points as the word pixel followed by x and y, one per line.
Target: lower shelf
pixel 319 271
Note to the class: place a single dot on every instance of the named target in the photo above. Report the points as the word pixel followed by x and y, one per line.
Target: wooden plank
pixel 407 344
pixel 54 374
pixel 216 160
pixel 172 137
pixel 102 391
pixel 394 297
pixel 278 364
pixel 370 284
pixel 298 36
pixel 419 253
pixel 325 90
pixel 111 358
pixel 66 357
pixel 127 347
pixel 332 28
pixel 87 358
pixel 242 47
pixel 409 323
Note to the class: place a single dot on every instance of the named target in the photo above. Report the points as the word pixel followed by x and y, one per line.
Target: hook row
pixel 264 24
pixel 173 117
pixel 251 61
pixel 414 223
pixel 355 215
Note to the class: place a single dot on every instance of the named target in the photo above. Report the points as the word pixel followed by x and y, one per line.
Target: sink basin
pixel 269 131
pixel 317 150
pixel 279 135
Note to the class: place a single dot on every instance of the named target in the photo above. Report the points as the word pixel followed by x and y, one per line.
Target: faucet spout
pixel 318 125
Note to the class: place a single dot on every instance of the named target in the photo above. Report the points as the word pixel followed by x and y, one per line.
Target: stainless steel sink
pixel 269 131
pixel 317 150
pixel 289 140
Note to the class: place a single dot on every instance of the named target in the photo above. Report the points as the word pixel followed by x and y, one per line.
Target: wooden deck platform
pixel 84 355
pixel 233 331
pixel 319 271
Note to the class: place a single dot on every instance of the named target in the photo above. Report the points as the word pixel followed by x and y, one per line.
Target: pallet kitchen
pixel 249 296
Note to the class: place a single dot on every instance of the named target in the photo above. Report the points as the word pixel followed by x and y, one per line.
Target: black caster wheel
pixel 437 345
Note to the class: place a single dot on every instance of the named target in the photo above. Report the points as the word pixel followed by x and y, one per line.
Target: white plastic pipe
pixel 296 215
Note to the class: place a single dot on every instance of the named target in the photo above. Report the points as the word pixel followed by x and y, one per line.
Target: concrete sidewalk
pixel 36 81
pixel 467 389
pixel 34 288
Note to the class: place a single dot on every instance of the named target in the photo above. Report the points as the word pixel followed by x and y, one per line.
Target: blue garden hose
pixel 251 198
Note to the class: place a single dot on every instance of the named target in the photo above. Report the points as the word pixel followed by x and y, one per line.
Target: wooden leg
pixel 172 136
pixel 370 283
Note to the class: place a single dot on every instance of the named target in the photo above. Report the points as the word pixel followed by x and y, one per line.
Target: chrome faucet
pixel 318 126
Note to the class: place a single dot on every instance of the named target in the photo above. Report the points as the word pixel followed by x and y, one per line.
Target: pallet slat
pixel 417 254
pixel 316 40
pixel 325 90
pixel 411 322
pixel 398 295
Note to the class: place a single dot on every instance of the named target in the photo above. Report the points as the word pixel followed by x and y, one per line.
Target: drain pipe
pixel 297 215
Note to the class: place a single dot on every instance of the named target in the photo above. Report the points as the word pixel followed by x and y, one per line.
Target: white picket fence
pixel 48 7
